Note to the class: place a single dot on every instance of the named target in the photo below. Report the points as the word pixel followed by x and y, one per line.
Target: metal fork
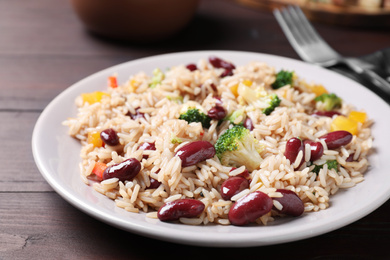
pixel 311 47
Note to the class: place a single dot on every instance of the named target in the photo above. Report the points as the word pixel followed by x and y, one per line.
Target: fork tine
pixel 306 26
pixel 285 21
pixel 291 30
pixel 312 34
pixel 299 22
pixel 301 34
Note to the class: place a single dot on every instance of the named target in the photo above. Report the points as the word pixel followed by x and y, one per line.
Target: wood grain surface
pixel 44 49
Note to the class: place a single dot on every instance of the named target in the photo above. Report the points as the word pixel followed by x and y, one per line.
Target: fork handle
pixel 377 80
pixel 370 75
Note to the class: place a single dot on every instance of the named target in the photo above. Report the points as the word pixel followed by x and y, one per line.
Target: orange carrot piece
pixel 112 82
pixel 98 169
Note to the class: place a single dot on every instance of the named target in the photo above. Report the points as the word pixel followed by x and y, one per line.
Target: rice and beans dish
pixel 210 142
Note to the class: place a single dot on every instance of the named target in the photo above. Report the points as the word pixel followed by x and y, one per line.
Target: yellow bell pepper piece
pixel 344 123
pixel 358 116
pixel 234 88
pixel 247 83
pixel 318 90
pixel 94 138
pixel 93 97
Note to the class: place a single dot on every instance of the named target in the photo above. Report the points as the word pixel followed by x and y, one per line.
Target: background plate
pixel 57 157
pixel 350 15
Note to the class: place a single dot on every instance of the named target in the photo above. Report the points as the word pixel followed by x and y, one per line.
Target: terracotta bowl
pixel 135 20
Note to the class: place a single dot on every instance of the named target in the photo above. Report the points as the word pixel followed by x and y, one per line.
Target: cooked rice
pixel 202 181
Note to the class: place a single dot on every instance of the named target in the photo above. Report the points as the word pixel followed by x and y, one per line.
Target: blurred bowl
pixel 135 20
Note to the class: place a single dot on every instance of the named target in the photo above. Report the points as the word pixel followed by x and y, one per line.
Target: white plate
pixel 57 157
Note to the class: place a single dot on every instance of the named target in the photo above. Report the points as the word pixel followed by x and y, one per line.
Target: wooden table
pixel 44 49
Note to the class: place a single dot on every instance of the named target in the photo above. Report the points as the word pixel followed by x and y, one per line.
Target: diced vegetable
pixel 93 97
pixel 133 85
pixel 176 99
pixel 195 115
pixel 237 147
pixel 274 101
pixel 358 116
pixel 259 98
pixel 112 82
pixel 175 139
pixel 158 77
pixel 344 123
pixel 332 164
pixel 234 88
pixel 237 117
pixel 94 138
pixel 318 90
pixel 247 83
pixel 98 169
pixel 329 101
pixel 283 78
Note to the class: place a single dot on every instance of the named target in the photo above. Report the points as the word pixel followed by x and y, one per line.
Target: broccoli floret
pixel 176 99
pixel 274 101
pixel 237 147
pixel 195 115
pixel 175 139
pixel 158 77
pixel 259 98
pixel 283 78
pixel 236 114
pixel 332 164
pixel 329 101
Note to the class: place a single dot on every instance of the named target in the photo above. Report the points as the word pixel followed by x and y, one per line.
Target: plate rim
pixel 225 241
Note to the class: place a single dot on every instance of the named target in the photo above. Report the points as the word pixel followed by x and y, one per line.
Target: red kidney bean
pixel 316 148
pixel 248 124
pixel 244 174
pixel 136 115
pixel 186 208
pixel 232 186
pixel 191 67
pixel 350 158
pixel 147 146
pixel 249 208
pixel 195 152
pixel 226 73
pixel 109 137
pixel 326 113
pixel 124 171
pixel 293 147
pixel 292 204
pixel 215 89
pixel 219 63
pixel 337 139
pixel 218 101
pixel 154 184
pixel 217 113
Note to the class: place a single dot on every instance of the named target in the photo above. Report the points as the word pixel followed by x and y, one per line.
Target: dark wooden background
pixel 44 49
